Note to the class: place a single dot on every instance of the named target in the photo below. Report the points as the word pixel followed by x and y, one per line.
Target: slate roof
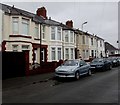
pixel 15 11
pixel 108 46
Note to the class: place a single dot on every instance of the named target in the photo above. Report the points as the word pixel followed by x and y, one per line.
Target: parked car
pixel 100 64
pixel 114 61
pixel 73 68
pixel 118 59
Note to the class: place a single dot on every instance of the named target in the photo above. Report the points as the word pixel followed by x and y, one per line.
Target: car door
pixel 82 67
pixel 86 67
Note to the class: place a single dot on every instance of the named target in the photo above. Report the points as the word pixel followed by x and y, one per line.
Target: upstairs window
pixel 59 33
pixel 100 43
pixel 15 25
pixel 25 26
pixel 87 40
pixel 83 39
pixel 91 41
pixel 66 36
pixel 43 32
pixel 71 37
pixel 53 33
pixel 37 31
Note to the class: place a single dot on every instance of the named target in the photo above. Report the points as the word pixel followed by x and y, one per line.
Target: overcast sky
pixel 102 17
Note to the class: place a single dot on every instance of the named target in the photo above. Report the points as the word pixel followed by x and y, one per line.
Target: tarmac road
pixel 101 87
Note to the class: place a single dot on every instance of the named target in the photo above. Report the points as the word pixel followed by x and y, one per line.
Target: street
pixel 101 87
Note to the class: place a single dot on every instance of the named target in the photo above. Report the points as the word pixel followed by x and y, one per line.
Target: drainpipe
pixel 40 42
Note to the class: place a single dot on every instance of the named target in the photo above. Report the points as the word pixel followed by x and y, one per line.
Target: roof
pixel 108 46
pixel 15 11
pixel 52 22
pixel 11 10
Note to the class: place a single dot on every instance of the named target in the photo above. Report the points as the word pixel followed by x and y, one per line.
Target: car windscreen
pixel 70 63
pixel 97 60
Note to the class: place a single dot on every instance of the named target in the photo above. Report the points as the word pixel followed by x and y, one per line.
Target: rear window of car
pixel 70 63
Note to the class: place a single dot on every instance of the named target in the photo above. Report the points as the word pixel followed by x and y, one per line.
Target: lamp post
pixel 83 24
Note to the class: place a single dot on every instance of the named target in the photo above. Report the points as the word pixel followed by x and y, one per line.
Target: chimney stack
pixel 42 12
pixel 69 23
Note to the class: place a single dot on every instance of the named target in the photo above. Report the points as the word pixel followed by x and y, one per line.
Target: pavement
pixel 18 82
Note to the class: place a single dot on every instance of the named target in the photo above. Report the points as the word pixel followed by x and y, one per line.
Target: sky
pixel 101 17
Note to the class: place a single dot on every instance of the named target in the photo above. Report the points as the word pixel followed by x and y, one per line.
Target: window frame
pixel 53 32
pixel 15 21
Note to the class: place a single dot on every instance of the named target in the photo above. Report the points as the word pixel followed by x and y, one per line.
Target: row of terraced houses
pixel 22 30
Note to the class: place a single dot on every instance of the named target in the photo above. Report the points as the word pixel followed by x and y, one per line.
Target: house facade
pixel 82 40
pixel 96 47
pixel 89 46
pixel 36 33
pixel 110 49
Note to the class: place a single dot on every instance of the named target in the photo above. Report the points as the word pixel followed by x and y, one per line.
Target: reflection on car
pixel 73 68
pixel 100 64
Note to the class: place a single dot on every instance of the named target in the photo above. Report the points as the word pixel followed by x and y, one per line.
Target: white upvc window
pixel 15 48
pixel 91 41
pixel 15 25
pixel 59 53
pixel 25 26
pixel 87 40
pixel 100 43
pixel 66 53
pixel 83 39
pixel 66 36
pixel 53 53
pixel 43 32
pixel 71 36
pixel 52 33
pixel 58 33
pixel 72 53
pixel 36 30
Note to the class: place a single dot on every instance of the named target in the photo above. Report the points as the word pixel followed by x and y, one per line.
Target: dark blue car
pixel 100 64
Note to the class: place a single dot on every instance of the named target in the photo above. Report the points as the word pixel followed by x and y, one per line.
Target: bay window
pixel 59 53
pixel 66 53
pixel 53 55
pixel 71 53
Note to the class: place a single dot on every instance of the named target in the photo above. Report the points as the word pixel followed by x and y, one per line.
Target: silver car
pixel 73 68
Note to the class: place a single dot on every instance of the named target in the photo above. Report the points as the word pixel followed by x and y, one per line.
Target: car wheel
pixel 77 76
pixel 89 73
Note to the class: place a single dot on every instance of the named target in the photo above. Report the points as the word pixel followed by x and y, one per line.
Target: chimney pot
pixel 69 23
pixel 42 12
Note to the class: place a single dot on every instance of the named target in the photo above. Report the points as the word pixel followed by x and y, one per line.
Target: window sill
pixel 24 36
